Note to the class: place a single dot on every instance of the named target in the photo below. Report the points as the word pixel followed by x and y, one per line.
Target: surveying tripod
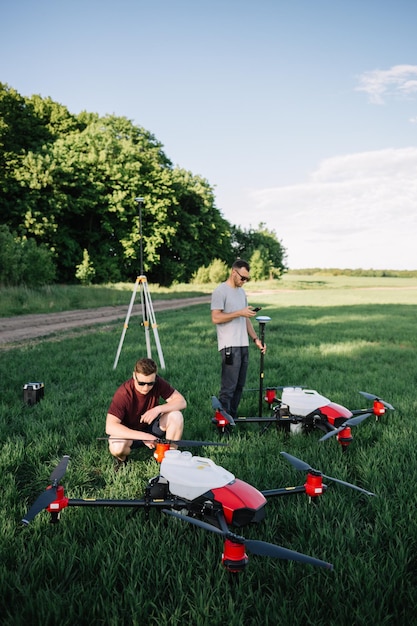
pixel 148 318
pixel 147 308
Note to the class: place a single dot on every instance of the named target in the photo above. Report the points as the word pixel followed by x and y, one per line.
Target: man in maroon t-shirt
pixel 135 416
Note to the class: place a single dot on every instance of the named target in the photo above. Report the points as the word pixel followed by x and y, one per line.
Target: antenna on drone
pixel 148 314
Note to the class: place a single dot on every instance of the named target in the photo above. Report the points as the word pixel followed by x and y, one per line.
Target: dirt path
pixel 26 327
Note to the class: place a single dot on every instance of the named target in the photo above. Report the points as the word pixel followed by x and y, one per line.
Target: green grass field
pixel 338 335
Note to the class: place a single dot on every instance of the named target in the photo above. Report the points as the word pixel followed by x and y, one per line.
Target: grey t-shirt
pixel 229 299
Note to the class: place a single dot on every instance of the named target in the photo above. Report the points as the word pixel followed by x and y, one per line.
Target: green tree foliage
pixel 10 258
pixel 85 271
pixel 27 125
pixel 23 261
pixel 201 276
pixel 268 249
pixel 216 272
pixel 196 230
pixel 260 266
pixel 68 182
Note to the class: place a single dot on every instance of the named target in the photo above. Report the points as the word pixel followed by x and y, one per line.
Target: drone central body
pixel 192 478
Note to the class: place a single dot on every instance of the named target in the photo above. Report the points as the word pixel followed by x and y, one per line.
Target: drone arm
pixel 265 420
pixel 157 503
pixel 283 491
pixel 60 502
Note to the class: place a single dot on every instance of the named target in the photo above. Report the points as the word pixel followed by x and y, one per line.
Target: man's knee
pixel 174 422
pixel 119 448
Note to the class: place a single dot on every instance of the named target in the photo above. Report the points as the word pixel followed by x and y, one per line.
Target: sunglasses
pixel 142 383
pixel 242 278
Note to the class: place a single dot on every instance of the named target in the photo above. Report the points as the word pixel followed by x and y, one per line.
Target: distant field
pixel 310 289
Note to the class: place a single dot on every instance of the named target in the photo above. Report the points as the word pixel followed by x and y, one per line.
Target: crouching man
pixel 136 417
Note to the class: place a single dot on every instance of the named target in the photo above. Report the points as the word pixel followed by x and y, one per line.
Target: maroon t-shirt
pixel 129 405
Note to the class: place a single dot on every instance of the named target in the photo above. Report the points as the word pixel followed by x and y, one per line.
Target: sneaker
pixel 118 463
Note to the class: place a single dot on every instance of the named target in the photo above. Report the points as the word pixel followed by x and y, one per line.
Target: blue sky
pixel 302 114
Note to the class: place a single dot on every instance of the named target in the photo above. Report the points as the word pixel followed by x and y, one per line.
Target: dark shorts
pixel 154 429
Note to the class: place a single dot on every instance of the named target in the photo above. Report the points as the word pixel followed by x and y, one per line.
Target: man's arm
pixel 220 317
pixel 252 334
pixel 115 429
pixel 175 402
pixel 251 331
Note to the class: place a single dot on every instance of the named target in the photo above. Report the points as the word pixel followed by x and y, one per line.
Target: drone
pixel 197 491
pixel 301 409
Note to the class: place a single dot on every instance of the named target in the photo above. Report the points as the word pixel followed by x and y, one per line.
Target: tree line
pixel 68 185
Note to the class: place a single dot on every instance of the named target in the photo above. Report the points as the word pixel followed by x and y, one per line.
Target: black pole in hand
pixel 139 201
pixel 262 319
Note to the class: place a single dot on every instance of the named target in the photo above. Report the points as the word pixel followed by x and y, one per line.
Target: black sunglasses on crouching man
pixel 142 383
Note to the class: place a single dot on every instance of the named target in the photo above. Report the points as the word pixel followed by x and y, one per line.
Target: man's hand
pixel 151 415
pixel 150 444
pixel 260 345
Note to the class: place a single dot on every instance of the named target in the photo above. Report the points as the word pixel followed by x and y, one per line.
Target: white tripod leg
pixel 145 315
pixel 150 309
pixel 126 323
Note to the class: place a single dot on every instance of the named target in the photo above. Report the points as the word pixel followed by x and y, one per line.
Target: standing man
pixel 231 314
pixel 135 416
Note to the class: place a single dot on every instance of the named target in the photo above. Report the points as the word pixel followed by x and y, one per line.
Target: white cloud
pixel 356 211
pixel 400 80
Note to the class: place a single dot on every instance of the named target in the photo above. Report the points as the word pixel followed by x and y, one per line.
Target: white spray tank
pixel 301 402
pixel 190 476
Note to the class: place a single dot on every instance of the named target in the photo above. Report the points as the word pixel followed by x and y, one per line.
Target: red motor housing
pixel 160 450
pixel 314 485
pixel 378 408
pixel 270 396
pixel 234 557
pixel 345 436
pixel 60 502
pixel 219 420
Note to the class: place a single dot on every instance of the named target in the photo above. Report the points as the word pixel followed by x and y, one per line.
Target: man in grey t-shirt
pixel 231 314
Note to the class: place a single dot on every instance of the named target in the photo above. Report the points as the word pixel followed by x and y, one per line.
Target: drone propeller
pixel 177 442
pixel 371 396
pixel 260 548
pixel 353 421
pixel 190 443
pixel 302 465
pixel 50 494
pixel 216 404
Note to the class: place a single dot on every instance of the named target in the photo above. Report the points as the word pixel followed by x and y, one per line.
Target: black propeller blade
pixel 353 421
pixel 301 465
pixel 192 444
pixel 49 495
pixel 371 396
pixel 59 471
pixel 178 442
pixel 260 548
pixel 215 403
